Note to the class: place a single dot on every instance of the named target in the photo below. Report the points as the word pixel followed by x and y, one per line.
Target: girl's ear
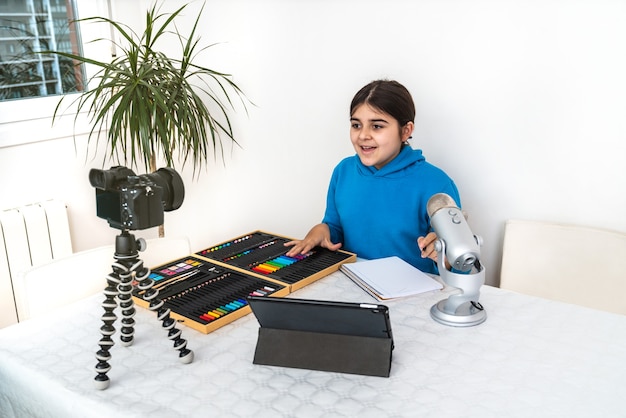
pixel 407 131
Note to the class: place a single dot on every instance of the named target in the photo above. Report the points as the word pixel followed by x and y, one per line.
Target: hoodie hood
pixel 397 167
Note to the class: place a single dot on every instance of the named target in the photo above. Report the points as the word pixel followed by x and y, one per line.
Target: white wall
pixel 521 102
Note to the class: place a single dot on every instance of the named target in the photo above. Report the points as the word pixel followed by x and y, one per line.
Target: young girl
pixel 376 203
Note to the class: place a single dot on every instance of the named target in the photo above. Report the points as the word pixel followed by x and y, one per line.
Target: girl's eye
pixel 356 125
pixel 378 126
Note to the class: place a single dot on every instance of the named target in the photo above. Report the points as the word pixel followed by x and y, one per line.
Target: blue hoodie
pixel 381 213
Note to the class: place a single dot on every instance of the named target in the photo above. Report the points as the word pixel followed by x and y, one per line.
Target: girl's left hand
pixel 427 246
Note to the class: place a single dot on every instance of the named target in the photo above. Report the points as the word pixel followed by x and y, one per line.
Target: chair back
pixel 569 263
pixel 60 282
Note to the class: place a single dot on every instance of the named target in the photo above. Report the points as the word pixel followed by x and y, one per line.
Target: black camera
pixel 129 201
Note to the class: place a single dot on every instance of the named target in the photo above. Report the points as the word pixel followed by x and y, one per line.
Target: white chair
pixel 69 279
pixel 574 264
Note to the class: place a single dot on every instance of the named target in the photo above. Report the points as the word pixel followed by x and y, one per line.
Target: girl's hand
pixel 318 235
pixel 427 246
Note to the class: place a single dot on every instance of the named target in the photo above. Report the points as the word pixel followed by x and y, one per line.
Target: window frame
pixel 29 120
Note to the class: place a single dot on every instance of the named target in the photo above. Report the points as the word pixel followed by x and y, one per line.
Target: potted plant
pixel 152 105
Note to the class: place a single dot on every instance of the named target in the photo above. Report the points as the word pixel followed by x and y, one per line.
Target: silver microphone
pixel 462 247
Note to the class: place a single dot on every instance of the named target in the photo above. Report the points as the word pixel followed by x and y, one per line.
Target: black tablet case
pixel 323 335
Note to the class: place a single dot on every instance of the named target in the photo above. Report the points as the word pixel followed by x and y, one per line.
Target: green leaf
pixel 151 104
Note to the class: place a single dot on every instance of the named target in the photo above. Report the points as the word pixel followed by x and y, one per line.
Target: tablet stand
pixel 353 354
pixel 120 286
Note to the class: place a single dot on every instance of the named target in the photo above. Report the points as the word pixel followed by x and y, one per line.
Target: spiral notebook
pixel 389 278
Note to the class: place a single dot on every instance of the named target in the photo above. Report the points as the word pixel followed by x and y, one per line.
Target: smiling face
pixel 377 137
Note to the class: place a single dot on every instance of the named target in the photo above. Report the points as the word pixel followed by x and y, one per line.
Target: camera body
pixel 133 202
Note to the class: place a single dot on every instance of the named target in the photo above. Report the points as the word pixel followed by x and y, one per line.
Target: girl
pixel 376 203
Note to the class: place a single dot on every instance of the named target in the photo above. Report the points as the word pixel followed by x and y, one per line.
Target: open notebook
pixel 389 278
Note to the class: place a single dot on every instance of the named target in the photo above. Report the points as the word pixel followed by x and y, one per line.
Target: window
pixel 27 26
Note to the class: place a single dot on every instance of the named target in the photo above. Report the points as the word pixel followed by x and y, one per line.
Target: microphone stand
pixel 461 309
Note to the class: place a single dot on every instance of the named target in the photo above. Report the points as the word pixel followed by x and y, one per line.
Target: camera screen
pixel 108 206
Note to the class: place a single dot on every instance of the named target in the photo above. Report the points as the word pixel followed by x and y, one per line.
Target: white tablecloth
pixel 532 357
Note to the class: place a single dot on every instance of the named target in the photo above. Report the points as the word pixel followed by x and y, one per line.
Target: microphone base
pixel 461 309
pixel 468 314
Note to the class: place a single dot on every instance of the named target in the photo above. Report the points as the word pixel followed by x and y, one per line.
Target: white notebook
pixel 389 278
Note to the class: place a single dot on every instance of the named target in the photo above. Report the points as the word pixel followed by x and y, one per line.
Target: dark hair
pixel 387 96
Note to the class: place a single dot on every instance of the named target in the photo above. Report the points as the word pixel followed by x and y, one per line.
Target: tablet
pixel 347 318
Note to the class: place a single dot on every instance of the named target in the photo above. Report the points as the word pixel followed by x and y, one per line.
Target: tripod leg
pixel 163 314
pixel 107 330
pixel 125 289
pixel 119 289
pixel 119 285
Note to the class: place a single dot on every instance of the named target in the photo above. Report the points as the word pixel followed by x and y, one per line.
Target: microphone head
pixel 439 201
pixel 461 246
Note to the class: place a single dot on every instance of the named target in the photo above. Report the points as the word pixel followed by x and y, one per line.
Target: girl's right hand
pixel 319 235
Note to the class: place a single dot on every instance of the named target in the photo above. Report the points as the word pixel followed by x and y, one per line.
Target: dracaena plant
pixel 150 104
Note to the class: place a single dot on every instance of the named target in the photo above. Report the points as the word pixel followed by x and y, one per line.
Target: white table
pixel 532 357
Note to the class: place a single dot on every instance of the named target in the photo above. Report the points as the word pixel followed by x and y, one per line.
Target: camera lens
pixel 173 188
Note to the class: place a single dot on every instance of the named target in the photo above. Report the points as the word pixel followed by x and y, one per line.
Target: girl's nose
pixel 365 133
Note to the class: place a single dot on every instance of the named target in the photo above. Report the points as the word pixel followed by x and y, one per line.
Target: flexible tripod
pixel 120 285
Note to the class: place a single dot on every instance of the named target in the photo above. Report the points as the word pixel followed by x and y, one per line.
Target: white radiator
pixel 30 235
